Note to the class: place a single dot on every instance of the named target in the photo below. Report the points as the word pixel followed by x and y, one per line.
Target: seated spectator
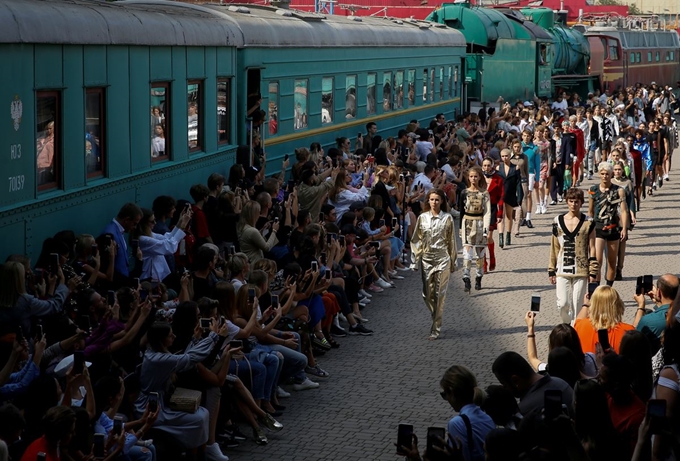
pixel 12 424
pixel 313 188
pixel 605 312
pixel 58 425
pixel 89 261
pixel 636 348
pixel 251 242
pixel 668 388
pixel 516 375
pixel 341 196
pixel 227 215
pixel 125 221
pixel 199 223
pixel 15 381
pixel 563 364
pixel 239 266
pixel 157 247
pixel 203 278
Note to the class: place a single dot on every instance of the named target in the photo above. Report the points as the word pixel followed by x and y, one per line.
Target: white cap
pixel 65 365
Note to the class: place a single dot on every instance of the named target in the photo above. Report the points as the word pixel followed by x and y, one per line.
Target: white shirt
pixel 155 249
pixel 424 180
pixel 345 198
pixel 450 174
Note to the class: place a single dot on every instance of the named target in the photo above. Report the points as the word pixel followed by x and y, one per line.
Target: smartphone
pixel 95 249
pixel 535 302
pixel 84 323
pixel 394 223
pixel 41 457
pixel 552 403
pixel 153 401
pixel 434 434
pixel 39 331
pixel 205 323
pixel 38 276
pixel 234 343
pixel 98 448
pixel 603 339
pixel 232 250
pixel 404 437
pixel 333 236
pixel 135 283
pixel 285 157
pixel 647 283
pixel 656 413
pixel 187 206
pixel 381 223
pixel 323 257
pixel 222 320
pixel 322 217
pixel 275 301
pixel 54 263
pixel 117 425
pixel 639 288
pixel 111 297
pixel 375 245
pixel 251 295
pixel 592 286
pixel 143 294
pixel 328 274
pixel 358 135
pixel 315 266
pixel 329 239
pixel 19 335
pixel 78 362
pixel 276 220
pixel 341 240
pixel 291 185
pixel 134 243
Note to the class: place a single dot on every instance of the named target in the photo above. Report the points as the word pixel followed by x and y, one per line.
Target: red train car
pixel 627 56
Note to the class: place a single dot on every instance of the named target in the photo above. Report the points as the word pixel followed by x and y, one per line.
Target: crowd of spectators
pixel 175 326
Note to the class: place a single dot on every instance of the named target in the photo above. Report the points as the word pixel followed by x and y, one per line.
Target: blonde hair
pixel 249 214
pixel 460 381
pixel 12 283
pixel 606 308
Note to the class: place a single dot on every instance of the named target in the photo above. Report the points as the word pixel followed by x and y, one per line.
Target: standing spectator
pixel 59 425
pixel 199 223
pixel 605 312
pixel 125 221
pixel 652 324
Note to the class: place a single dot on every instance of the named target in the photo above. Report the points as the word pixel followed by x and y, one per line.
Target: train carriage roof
pixel 89 22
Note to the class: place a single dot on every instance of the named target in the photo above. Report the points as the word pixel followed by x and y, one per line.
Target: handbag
pixel 186 400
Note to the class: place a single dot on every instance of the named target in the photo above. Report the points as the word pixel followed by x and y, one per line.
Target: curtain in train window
pixel 450 81
pixel 411 81
pixel 48 135
pixel 327 89
pixel 94 132
pixel 194 125
pixel 425 75
pixel 370 94
pixel 273 113
pixel 160 121
pixel 223 108
pixel 387 91
pixel 432 85
pixel 399 90
pixel 455 81
pixel 300 102
pixel 350 96
pixel 441 83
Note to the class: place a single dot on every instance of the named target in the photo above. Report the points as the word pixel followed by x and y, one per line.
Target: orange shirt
pixel 588 334
pixel 39 446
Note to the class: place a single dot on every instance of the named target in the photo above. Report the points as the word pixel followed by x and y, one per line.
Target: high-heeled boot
pixel 508 239
pixel 500 240
pixel 492 257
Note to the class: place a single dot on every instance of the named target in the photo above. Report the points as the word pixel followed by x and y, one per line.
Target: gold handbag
pixel 186 400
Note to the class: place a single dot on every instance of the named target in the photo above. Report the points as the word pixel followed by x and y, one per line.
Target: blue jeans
pixel 294 362
pixel 252 373
pixel 138 453
pixel 273 363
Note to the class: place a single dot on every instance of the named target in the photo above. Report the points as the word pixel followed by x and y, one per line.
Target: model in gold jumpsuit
pixel 433 252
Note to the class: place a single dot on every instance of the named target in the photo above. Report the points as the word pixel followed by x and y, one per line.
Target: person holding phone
pixel 605 312
pixel 662 295
pixel 251 242
pixel 125 222
pixel 433 253
pixel 572 256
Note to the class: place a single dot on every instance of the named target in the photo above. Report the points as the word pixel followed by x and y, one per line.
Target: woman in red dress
pixel 494 186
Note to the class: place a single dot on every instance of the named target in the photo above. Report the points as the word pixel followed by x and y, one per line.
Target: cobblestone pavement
pixel 393 376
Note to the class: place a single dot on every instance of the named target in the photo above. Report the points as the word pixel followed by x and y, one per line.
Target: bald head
pixel 668 287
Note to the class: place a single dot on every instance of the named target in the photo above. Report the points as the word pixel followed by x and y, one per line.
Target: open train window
pixel 194 118
pixel 350 96
pixel 370 93
pixel 48 134
pixel 387 91
pixel 613 50
pixel 411 81
pixel 160 121
pixel 649 56
pixel 425 75
pixel 638 57
pixel 431 85
pixel 273 108
pixel 399 89
pixel 657 56
pixel 441 83
pixel 450 80
pixel 300 100
pixel 95 144
pixel 223 110
pixel 455 80
pixel 327 88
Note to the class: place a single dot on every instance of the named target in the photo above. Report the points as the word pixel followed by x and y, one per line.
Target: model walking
pixel 511 196
pixel 475 219
pixel 494 185
pixel 433 252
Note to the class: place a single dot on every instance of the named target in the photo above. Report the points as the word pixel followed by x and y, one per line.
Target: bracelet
pixel 642 309
pixel 531 336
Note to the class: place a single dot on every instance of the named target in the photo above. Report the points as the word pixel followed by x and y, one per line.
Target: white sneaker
pixel 390 283
pixel 280 393
pixel 382 283
pixel 392 273
pixel 365 294
pixel 306 384
pixel 396 277
pixel 403 269
pixel 342 317
pixel 665 177
pixel 213 453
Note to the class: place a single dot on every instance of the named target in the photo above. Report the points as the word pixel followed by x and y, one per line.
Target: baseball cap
pixel 65 365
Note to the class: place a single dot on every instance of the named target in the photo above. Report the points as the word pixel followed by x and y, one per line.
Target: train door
pixel 625 67
pixel 255 115
pixel 596 66
pixel 543 70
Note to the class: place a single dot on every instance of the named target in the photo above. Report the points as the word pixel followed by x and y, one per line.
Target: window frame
pixel 166 129
pixel 101 91
pixel 306 112
pixel 398 105
pixel 387 75
pixel 410 80
pixel 58 151
pixel 347 88
pixel 456 77
pixel 277 105
pixel 375 101
pixel 200 138
pixel 227 130
pixel 332 107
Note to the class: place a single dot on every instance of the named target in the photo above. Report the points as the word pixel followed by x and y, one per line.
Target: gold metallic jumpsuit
pixel 433 252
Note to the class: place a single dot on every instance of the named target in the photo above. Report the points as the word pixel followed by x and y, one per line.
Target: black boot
pixel 500 240
pixel 468 285
pixel 619 275
pixel 508 242
pixel 478 283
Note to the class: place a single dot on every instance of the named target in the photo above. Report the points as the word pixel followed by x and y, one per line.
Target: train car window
pixel 657 56
pixel 455 80
pixel 399 90
pixel 441 83
pixel 411 80
pixel 370 93
pixel 160 121
pixel 450 81
pixel 194 119
pixel 673 56
pixel 638 58
pixel 387 91
pixel 649 56
pixel 48 135
pixel 613 50
pixel 95 144
pixel 431 85
pixel 327 88
pixel 350 96
pixel 273 110
pixel 223 108
pixel 300 101
pixel 632 57
pixel 425 75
